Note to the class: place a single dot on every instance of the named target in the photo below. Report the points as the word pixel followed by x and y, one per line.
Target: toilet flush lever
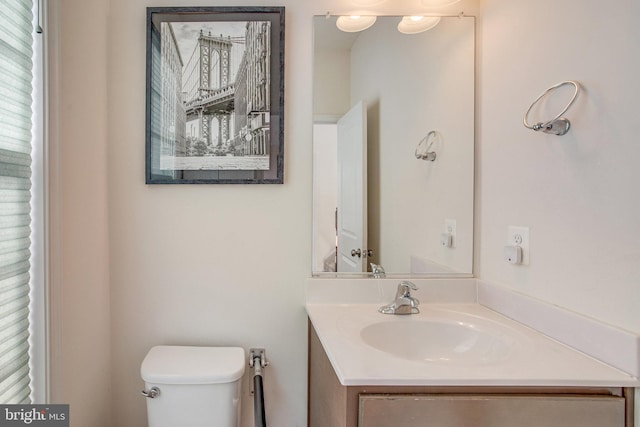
pixel 152 393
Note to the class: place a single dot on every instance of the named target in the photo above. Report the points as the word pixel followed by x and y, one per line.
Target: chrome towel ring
pixel 558 125
pixel 426 154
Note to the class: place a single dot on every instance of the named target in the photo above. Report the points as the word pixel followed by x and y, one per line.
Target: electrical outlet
pixel 450 228
pixel 519 236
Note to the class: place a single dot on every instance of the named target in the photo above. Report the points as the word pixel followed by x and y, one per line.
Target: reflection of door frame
pixel 352 190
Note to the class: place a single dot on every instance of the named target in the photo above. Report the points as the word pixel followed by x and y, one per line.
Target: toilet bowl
pixel 193 386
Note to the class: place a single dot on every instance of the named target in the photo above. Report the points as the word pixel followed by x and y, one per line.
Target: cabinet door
pixel 490 411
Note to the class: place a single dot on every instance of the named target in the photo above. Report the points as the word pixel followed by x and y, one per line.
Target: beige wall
pixel 79 250
pixel 219 265
pixel 207 264
pixel 137 265
pixel 330 87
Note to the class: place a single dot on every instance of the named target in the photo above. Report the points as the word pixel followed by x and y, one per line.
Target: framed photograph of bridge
pixel 215 95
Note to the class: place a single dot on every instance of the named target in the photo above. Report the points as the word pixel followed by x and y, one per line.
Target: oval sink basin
pixel 438 341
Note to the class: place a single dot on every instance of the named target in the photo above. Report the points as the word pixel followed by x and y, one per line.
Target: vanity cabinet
pixel 334 405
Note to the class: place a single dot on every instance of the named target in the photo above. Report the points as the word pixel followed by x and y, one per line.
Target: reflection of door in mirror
pixel 340 193
pixel 411 84
pixel 352 190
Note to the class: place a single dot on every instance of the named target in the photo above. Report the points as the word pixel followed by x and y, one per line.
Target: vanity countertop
pixel 478 346
pixel 532 360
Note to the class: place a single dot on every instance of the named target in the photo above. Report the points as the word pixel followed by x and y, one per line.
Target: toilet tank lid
pixel 192 365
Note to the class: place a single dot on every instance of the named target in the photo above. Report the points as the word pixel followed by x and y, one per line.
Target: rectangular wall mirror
pixel 393 148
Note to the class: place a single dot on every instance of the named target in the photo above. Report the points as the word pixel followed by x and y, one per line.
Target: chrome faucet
pixel 378 271
pixel 404 302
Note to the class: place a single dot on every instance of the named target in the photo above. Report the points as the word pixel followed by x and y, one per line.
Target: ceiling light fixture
pixel 438 3
pixel 417 24
pixel 354 23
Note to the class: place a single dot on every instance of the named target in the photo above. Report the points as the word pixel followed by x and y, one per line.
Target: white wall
pixel 577 193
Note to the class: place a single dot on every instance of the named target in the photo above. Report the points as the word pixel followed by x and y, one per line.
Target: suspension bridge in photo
pixel 208 90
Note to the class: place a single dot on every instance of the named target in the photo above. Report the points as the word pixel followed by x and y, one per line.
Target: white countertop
pixel 533 358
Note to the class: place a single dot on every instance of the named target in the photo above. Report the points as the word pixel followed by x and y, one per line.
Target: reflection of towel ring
pixel 558 125
pixel 426 154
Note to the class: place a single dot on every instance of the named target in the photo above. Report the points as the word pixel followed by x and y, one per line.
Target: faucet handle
pixel 406 285
pixel 404 289
pixel 404 303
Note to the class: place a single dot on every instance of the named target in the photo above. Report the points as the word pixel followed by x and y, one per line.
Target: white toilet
pixel 193 386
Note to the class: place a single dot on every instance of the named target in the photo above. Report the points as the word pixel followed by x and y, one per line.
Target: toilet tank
pixel 198 386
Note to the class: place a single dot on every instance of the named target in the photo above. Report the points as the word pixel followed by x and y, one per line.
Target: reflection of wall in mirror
pixel 426 266
pixel 435 90
pixel 331 99
pixel 331 84
pixel 410 199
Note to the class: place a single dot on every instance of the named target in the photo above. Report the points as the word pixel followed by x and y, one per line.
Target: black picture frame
pixel 215 95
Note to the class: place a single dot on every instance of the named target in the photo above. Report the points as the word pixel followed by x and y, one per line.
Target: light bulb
pixel 417 24
pixel 354 23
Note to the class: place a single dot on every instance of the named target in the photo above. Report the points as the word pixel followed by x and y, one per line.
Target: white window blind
pixel 16 52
